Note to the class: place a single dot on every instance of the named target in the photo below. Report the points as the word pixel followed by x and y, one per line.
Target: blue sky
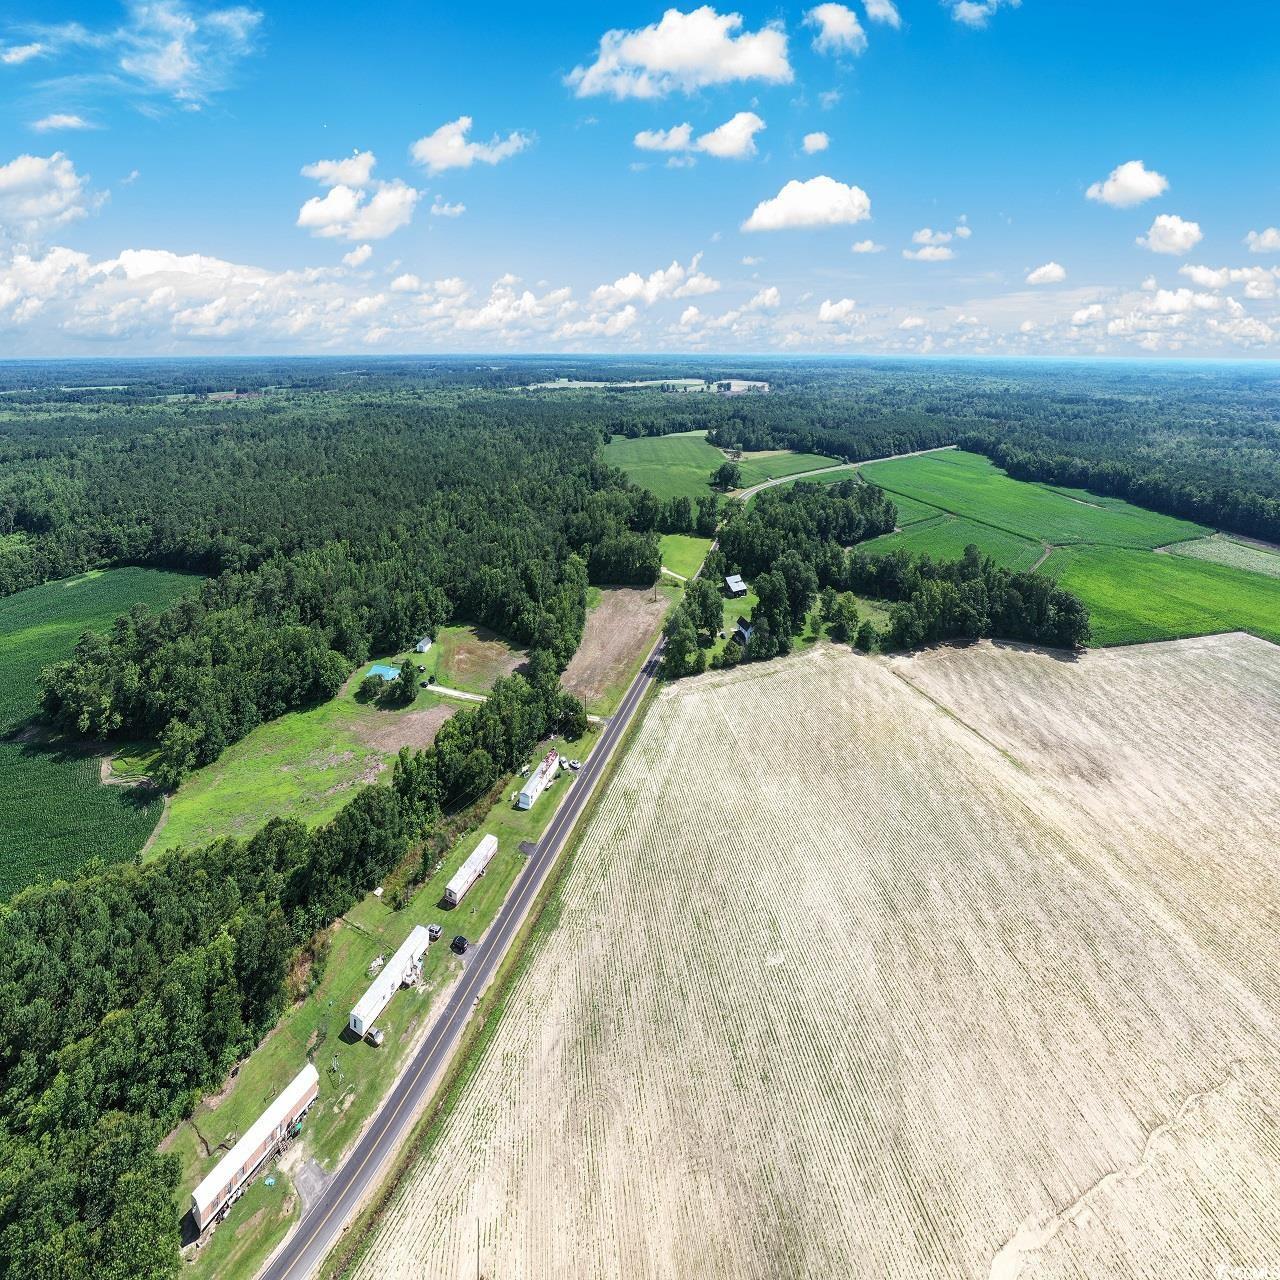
pixel 1039 178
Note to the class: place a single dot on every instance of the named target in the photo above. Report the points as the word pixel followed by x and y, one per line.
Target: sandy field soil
pixel 416 729
pixel 618 633
pixel 956 965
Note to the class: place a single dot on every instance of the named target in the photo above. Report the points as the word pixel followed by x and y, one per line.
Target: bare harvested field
pixel 618 634
pixel 957 965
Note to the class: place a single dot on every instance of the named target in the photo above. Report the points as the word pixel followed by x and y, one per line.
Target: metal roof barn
pixel 387 983
pixel 471 870
pixel 264 1135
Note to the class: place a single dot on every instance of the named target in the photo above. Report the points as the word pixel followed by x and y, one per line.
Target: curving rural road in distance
pixel 366 1164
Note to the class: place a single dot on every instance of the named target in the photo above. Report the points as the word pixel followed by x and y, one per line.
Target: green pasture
pixel 674 466
pixel 683 553
pixel 946 537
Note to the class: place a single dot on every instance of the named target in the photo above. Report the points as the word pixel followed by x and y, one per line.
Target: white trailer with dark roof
pixel 471 870
pixel 402 968
pixel 264 1137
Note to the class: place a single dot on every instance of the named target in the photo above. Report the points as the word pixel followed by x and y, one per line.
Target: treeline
pixel 968 598
pixel 1162 486
pixel 127 994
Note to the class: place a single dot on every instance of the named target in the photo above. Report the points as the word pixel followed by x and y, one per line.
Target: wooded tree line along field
pixel 339 516
pixel 986 992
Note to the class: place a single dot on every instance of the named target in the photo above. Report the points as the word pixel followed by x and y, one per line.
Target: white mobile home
pixel 471 870
pixel 402 968
pixel 236 1169
pixel 537 781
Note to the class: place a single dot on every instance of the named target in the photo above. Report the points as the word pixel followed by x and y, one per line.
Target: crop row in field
pixel 967 484
pixel 946 537
pixel 873 992
pixel 1236 555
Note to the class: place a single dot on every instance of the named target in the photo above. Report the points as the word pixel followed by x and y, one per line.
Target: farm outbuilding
pixel 537 781
pixel 735 586
pixel 235 1170
pixel 401 969
pixel 471 870
pixel 423 645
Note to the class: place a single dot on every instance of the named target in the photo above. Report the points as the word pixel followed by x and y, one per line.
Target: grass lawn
pixel 466 657
pixel 682 553
pixel 674 466
pixel 1220 549
pixel 966 484
pixel 354 1076
pixel 54 811
pixel 945 538
pixel 1135 596
pixel 304 765
pixel 770 464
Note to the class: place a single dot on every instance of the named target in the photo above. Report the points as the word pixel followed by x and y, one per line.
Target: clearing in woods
pixel 987 992
pixel 621 628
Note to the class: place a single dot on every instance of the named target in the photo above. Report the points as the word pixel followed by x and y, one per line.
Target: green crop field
pixel 1238 555
pixel 682 553
pixel 945 538
pixel 54 811
pixel 675 466
pixel 1135 596
pixel 967 484
pixel 774 463
pixel 42 625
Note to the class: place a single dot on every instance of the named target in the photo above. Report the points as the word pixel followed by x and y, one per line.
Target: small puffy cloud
pixel 840 312
pixel 358 256
pixel 440 208
pixel 766 300
pixel 1128 184
pixel 449 148
pixel 839 30
pixel 1088 315
pixel 977 13
pixel 733 140
pixel 829 98
pixel 750 261
pixel 678 138
pixel 929 253
pixel 599 326
pixel 867 246
pixel 1171 234
pixel 819 202
pixel 1050 273
pixel 815 142
pixel 354 171
pixel 1259 282
pixel 14 54
pixel 39 193
pixel 685 52
pixel 926 235
pixel 353 214
pixel 407 283
pixel 912 322
pixel 61 120
pixel 882 11
pixel 690 317
pixel 675 281
pixel 1267 241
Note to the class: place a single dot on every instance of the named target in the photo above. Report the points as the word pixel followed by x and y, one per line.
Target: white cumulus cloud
pixel 839 30
pixel 867 246
pixel 353 171
pixel 449 147
pixel 1171 234
pixel 929 253
pixel 440 208
pixel 819 202
pixel 678 138
pixel 840 312
pixel 733 140
pixel 1050 273
pixel 1267 241
pixel 39 193
pixel 675 281
pixel 977 13
pixel 882 11
pixel 1128 184
pixel 358 256
pixel 815 142
pixel 685 52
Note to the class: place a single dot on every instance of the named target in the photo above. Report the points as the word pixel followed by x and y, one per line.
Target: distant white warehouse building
pixel 537 781
pixel 471 870
pixel 235 1170
pixel 402 968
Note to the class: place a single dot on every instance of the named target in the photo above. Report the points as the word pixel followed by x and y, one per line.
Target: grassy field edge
pixel 476 1037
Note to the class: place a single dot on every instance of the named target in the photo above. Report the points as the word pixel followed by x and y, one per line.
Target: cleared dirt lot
pixel 618 634
pixel 960 965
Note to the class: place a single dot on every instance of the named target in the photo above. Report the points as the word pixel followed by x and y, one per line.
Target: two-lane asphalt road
pixel 367 1163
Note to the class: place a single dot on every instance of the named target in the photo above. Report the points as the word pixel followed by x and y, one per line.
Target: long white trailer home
pixel 471 870
pixel 235 1170
pixel 537 781
pixel 401 968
